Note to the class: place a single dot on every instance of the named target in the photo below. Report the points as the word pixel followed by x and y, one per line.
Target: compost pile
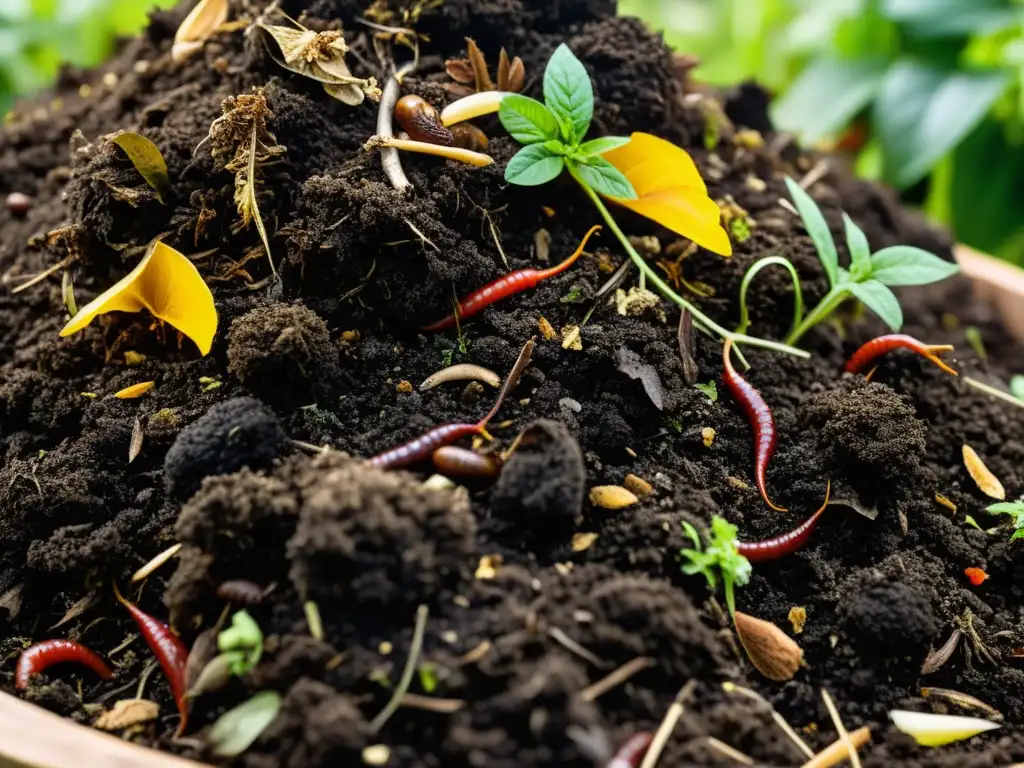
pixel 533 593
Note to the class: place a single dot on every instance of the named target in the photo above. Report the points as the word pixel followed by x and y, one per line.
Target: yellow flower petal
pixel 931 730
pixel 135 390
pixel 167 284
pixel 670 190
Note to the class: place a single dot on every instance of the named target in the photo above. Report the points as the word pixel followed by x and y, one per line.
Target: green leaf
pixel 814 223
pixel 569 93
pixel 947 18
pixel 710 389
pixel 1017 386
pixel 922 112
pixel 860 251
pixel 533 165
pixel 968 520
pixel 527 120
pixel 600 146
pixel 880 300
pixel 604 178
pixel 826 95
pixel 146 157
pixel 906 265
pixel 237 729
pixel 244 635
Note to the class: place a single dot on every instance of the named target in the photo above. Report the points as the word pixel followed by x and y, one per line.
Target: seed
pixel 772 652
pixel 404 387
pixel 708 436
pixel 638 485
pixel 798 617
pixel 583 541
pixel 612 497
pixel 987 482
pixel 545 328
pixel 18 202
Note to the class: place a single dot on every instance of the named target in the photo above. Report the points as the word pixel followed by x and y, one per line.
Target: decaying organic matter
pixel 254 455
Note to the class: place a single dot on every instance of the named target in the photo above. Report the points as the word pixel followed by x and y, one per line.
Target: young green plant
pixel 718 559
pixel 1014 509
pixel 553 136
pixel 870 278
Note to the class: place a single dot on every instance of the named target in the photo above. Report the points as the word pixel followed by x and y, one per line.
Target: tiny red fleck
pixel 975 575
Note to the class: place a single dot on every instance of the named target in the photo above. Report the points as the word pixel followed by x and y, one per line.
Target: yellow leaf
pixel 932 730
pixel 168 285
pixel 146 157
pixel 135 390
pixel 670 190
pixel 982 475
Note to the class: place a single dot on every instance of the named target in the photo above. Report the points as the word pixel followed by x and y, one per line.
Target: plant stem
pixel 832 299
pixel 698 317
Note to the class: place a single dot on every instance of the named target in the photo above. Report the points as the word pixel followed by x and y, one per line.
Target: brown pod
pixel 421 121
pixel 459 462
pixel 467 136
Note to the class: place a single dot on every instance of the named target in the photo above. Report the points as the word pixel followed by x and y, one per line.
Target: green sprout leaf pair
pixel 718 559
pixel 552 133
pixel 1014 509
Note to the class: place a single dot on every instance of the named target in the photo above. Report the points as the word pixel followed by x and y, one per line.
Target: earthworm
pixel 460 462
pixel 169 651
pixel 421 448
pixel 760 417
pixel 632 751
pixel 38 657
pixel 787 543
pixel 460 372
pixel 508 285
pixel 420 120
pixel 241 591
pixel 877 347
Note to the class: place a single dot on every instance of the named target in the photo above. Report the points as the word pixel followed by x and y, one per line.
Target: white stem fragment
pixel 389 159
pixel 461 372
pixel 475 159
pixel 155 563
pixel 931 730
pixel 475 105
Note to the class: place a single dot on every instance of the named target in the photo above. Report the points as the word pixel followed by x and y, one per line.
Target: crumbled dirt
pixel 523 617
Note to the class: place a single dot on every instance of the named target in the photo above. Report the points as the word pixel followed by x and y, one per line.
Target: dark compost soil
pixel 327 356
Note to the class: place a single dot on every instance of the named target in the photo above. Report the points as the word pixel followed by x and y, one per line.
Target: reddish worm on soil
pixel 877 347
pixel 169 651
pixel 787 543
pixel 503 287
pixel 461 462
pixel 760 417
pixel 35 659
pixel 632 751
pixel 423 447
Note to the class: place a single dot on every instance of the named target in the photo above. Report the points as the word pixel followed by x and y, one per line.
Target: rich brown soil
pixel 326 357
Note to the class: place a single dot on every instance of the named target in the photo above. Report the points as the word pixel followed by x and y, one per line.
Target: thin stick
pixel 144 678
pixel 389 159
pixel 476 159
pixel 840 728
pixel 837 751
pixel 421 236
pixel 667 725
pixel 410 667
pixel 733 754
pixel 431 704
pixel 567 642
pixel 816 174
pixel 988 390
pixel 779 719
pixel 42 275
pixel 308 446
pixel 617 677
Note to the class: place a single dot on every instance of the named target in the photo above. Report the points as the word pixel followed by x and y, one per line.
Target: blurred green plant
pixel 37 36
pixel 930 93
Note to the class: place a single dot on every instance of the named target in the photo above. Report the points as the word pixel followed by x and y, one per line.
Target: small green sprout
pixel 1014 509
pixel 869 279
pixel 242 642
pixel 720 559
pixel 710 389
pixel 1017 386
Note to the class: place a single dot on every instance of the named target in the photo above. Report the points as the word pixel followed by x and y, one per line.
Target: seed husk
pixel 127 712
pixel 638 486
pixel 772 652
pixel 612 497
pixel 987 482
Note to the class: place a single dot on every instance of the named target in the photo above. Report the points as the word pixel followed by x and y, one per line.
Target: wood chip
pixel 612 497
pixel 128 712
pixel 987 482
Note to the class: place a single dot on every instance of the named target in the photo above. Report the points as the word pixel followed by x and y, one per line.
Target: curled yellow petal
pixel 135 390
pixel 931 730
pixel 168 285
pixel 987 482
pixel 670 190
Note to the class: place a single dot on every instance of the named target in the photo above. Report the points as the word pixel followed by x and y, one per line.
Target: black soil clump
pixel 253 457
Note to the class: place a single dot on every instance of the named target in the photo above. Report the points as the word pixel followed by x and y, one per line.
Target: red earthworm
pixel 508 285
pixel 877 347
pixel 760 417
pixel 632 751
pixel 169 651
pixel 35 659
pixel 423 447
pixel 460 462
pixel 787 543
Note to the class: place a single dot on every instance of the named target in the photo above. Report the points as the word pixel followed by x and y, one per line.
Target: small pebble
pixel 18 202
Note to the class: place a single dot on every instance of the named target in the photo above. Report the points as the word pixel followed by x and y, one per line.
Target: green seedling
pixel 1017 387
pixel 710 389
pixel 242 642
pixel 869 279
pixel 718 560
pixel 1014 509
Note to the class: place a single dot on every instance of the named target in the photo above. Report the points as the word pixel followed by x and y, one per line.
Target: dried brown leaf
pixel 128 712
pixel 77 609
pixel 460 70
pixel 503 69
pixel 936 659
pixel 479 64
pixel 11 600
pixel 772 652
pixel 987 482
pixel 457 91
pixel 516 76
pixel 630 363
pixel 197 27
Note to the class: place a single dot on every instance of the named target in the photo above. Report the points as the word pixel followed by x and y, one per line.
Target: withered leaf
pixel 479 64
pixel 136 443
pixel 629 363
pixel 197 27
pixel 516 78
pixel 128 712
pixel 460 70
pixel 77 609
pixel 503 70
